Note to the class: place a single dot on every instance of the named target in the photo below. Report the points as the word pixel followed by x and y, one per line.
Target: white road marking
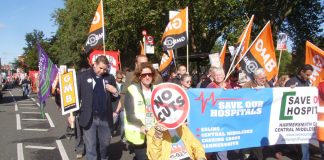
pixel 40 147
pixel 62 150
pixel 20 151
pixel 30 112
pixel 35 129
pixel 32 119
pixel 18 122
pixel 26 104
pixel 16 106
pixel 26 101
pixel 49 120
pixel 28 108
pixel 12 96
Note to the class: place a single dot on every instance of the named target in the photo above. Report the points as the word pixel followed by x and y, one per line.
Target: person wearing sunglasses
pixel 139 115
pixel 186 81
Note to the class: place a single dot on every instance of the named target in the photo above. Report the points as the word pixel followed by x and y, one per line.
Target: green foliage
pixel 30 51
pixel 285 62
pixel 209 20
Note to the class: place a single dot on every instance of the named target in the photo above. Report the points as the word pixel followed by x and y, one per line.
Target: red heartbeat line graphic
pixel 213 99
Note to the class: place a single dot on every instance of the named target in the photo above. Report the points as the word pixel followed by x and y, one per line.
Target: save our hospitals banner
pixel 234 119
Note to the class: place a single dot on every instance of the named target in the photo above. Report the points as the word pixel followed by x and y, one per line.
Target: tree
pixel 30 51
pixel 208 21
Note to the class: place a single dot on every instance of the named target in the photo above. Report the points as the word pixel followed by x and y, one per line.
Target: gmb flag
pixel 245 37
pixel 166 63
pixel 176 32
pixel 315 57
pixel 261 54
pixel 96 33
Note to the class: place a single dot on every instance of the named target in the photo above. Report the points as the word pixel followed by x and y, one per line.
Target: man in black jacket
pixel 96 90
pixel 302 79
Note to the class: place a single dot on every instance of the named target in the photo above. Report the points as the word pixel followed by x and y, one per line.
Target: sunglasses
pixel 147 74
pixel 188 81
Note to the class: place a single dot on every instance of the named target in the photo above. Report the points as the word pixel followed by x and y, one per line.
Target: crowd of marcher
pixel 120 105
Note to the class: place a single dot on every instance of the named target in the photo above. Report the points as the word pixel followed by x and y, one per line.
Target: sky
pixel 19 17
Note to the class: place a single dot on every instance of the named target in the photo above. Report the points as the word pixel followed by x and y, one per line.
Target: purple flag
pixel 47 74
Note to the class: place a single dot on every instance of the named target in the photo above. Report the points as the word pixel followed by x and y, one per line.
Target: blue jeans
pixel 90 139
pixel 25 90
pixel 305 151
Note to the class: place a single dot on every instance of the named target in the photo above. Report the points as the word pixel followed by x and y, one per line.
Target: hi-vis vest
pixel 320 120
pixel 132 133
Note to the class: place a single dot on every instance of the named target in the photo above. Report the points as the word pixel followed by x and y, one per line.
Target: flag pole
pixel 233 61
pixel 187 19
pixel 103 28
pixel 120 67
pixel 240 46
pixel 144 45
pixel 175 64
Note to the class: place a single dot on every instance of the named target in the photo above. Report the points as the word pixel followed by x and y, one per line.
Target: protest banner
pixel 235 119
pixel 244 42
pixel 47 73
pixel 223 53
pixel 112 57
pixel 69 93
pixel 166 64
pixel 33 75
pixel 176 32
pixel 282 41
pixel 170 105
pixel 315 57
pixel 261 54
pixel 96 33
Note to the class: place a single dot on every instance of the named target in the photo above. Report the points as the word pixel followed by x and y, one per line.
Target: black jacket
pixel 85 91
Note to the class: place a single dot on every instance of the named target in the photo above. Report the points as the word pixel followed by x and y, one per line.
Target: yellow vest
pixel 132 132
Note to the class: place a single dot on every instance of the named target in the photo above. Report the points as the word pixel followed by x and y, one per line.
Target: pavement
pixel 26 136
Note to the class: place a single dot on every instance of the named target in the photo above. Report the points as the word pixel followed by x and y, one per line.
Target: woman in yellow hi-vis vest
pixel 139 116
pixel 320 118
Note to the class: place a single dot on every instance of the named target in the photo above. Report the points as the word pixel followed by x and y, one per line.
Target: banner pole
pixel 187 17
pixel 120 67
pixel 279 61
pixel 103 28
pixel 144 45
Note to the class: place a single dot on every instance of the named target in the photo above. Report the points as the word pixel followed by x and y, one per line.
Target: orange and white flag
pixel 223 53
pixel 315 57
pixel 261 54
pixel 96 33
pixel 176 32
pixel 245 37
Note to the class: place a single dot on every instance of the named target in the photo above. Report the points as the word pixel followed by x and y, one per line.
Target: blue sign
pixel 230 119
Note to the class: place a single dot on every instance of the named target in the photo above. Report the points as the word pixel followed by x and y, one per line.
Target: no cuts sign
pixel 170 104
